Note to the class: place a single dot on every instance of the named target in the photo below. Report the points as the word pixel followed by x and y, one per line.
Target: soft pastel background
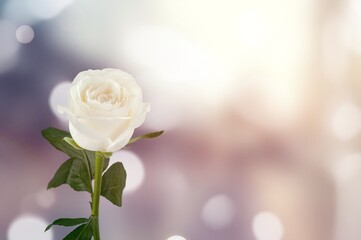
pixel 260 100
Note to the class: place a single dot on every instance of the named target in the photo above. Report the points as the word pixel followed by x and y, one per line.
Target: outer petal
pixel 79 123
pixel 121 141
pixel 139 117
pixel 99 143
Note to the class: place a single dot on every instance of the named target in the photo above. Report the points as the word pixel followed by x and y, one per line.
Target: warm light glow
pixel 252 29
pixel 175 63
pixel 267 226
pixel 170 54
pixel 176 237
pixel 29 227
pixel 58 97
pixel 351 32
pixel 24 34
pixel 261 97
pixel 134 167
pixel 218 212
pixel 346 121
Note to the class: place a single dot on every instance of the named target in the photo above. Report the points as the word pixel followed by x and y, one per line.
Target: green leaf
pixel 74 172
pixel 56 138
pixel 62 141
pixel 67 222
pixel 148 135
pixel 91 161
pixel 75 233
pixel 83 232
pixel 113 183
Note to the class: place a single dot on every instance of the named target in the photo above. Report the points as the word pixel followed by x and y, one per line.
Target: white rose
pixel 104 108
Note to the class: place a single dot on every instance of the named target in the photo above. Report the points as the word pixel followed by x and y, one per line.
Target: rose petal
pixel 82 138
pixel 121 141
pixel 104 108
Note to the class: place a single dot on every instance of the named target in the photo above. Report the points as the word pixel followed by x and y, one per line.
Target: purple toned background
pixel 260 103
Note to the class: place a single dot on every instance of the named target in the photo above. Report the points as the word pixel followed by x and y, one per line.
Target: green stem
pixel 96 195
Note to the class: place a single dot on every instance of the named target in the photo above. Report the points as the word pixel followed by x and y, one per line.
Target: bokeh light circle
pixel 45 198
pixel 346 168
pixel 134 167
pixel 218 212
pixel 29 227
pixel 25 34
pixel 267 226
pixel 176 237
pixel 58 97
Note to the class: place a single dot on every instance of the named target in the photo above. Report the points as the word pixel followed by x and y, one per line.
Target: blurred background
pixel 260 101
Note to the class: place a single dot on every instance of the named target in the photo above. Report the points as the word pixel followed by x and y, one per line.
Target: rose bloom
pixel 104 108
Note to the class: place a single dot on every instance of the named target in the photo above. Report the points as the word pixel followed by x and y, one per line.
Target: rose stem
pixel 96 195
